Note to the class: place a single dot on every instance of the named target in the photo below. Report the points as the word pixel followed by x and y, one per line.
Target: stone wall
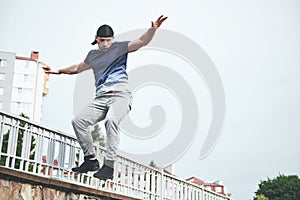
pixel 13 190
pixel 17 185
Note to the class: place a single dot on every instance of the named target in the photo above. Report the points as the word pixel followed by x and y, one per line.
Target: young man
pixel 113 98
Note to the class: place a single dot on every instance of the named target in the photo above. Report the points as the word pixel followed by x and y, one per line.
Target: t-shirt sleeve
pixel 87 60
pixel 123 46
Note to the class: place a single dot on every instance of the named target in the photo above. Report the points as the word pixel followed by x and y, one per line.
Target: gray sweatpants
pixel 112 106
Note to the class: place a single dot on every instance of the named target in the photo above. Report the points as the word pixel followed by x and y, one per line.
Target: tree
pixel 4 147
pixel 22 127
pixel 98 136
pixel 261 197
pixel 282 187
pixel 152 164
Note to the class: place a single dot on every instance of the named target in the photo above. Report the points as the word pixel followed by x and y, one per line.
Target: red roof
pixel 24 58
pixel 196 180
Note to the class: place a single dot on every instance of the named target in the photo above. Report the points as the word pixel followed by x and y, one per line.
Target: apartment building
pixel 23 84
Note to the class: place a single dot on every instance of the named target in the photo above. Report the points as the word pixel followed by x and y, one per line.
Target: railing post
pixel 12 144
pixel 39 153
pixel 161 184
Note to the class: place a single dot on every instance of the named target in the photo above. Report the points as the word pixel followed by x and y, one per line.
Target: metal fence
pixel 31 148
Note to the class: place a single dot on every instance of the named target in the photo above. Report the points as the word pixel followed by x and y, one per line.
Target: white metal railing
pixel 29 147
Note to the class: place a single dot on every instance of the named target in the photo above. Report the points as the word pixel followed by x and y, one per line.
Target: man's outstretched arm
pixel 73 69
pixel 147 36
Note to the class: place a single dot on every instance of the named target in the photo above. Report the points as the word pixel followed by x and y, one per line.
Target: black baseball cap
pixel 104 31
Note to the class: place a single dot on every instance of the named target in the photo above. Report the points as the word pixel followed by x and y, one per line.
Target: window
pixel 26 65
pixel 2 76
pixel 26 77
pixel 1 90
pixel 1 105
pixel 3 62
pixel 18 105
pixel 19 91
pixel 23 91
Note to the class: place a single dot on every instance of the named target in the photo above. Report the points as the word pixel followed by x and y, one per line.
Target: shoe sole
pixel 104 179
pixel 82 172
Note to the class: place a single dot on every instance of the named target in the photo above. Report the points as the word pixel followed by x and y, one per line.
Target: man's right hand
pixel 48 70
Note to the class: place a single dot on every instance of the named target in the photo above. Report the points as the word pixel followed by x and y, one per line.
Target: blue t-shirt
pixel 109 67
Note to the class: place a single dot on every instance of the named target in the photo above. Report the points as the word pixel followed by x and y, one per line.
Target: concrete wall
pixel 7 63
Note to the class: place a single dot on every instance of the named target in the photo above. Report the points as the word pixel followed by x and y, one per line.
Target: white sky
pixel 253 44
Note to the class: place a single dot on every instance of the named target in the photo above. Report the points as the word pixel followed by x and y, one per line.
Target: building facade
pixel 23 84
pixel 216 186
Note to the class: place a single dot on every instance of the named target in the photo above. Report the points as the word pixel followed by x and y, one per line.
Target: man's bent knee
pixel 78 122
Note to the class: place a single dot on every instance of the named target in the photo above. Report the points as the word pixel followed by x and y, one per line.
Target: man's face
pixel 104 42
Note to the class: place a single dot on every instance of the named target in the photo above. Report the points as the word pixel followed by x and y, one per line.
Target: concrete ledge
pixel 9 174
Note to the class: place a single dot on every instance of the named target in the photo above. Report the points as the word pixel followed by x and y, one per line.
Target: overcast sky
pixel 254 46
